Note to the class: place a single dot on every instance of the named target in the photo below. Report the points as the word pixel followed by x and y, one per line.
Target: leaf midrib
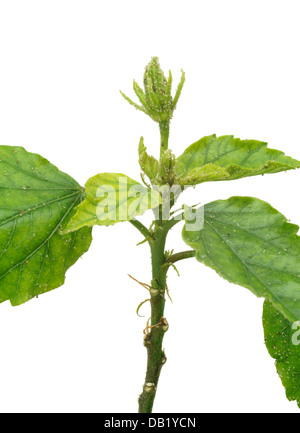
pixel 26 212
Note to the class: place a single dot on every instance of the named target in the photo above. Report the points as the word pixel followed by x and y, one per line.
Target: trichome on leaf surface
pixel 46 220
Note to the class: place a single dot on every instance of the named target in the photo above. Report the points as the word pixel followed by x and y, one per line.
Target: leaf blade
pixel 121 203
pixel 35 200
pixel 239 158
pixel 251 244
pixel 282 344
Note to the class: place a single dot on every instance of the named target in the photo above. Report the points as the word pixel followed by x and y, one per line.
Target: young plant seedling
pixel 46 220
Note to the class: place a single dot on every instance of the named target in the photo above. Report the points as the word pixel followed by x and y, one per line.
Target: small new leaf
pixel 167 174
pixel 179 90
pixel 112 198
pixel 251 244
pixel 148 164
pixel 36 201
pixel 283 343
pixel 234 157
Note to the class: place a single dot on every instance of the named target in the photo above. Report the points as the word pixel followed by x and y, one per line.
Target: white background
pixel 62 63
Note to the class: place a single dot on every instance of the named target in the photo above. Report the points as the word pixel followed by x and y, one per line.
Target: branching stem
pixel 153 340
pixel 155 333
pixel 159 325
pixel 181 256
pixel 142 229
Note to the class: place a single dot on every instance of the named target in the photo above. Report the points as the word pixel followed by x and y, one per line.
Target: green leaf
pixel 112 198
pixel 148 164
pixel 251 244
pixel 283 343
pixel 179 90
pixel 36 200
pixel 238 158
pixel 204 174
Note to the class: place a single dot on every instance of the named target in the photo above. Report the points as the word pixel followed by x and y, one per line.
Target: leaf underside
pixel 112 198
pixel 279 341
pixel 227 158
pixel 36 201
pixel 251 244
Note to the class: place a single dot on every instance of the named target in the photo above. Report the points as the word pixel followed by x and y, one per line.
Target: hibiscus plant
pixel 46 219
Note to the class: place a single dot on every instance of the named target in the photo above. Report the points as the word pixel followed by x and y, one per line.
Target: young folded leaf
pixel 251 244
pixel 112 198
pixel 283 343
pixel 148 163
pixel 234 157
pixel 36 200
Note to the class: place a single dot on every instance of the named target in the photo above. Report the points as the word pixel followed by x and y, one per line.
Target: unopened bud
pixel 156 99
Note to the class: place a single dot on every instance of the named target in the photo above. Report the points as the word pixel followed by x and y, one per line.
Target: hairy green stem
pixel 164 128
pixel 155 334
pixel 181 256
pixel 141 228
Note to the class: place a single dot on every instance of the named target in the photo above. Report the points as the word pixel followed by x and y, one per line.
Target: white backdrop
pixel 62 63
